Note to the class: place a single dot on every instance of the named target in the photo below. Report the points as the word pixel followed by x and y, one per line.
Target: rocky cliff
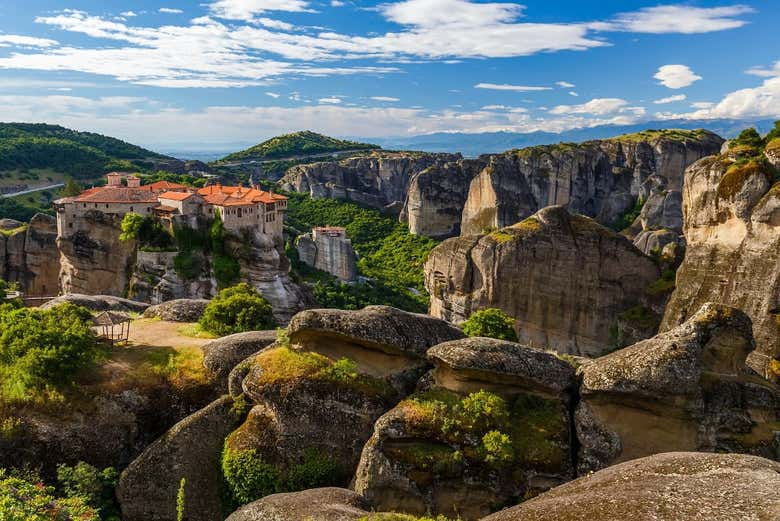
pixel 380 179
pixel 29 256
pixel 565 278
pixel 731 205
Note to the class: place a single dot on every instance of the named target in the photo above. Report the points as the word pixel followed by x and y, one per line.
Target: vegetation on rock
pixel 491 322
pixel 150 234
pixel 27 498
pixel 296 144
pixel 96 487
pixel 225 267
pixel 237 309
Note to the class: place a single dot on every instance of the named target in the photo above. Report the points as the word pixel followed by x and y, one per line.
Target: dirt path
pixel 150 332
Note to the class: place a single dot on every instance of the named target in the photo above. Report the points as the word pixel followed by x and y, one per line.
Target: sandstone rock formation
pixel 665 487
pixel 563 277
pixel 732 227
pixel 320 504
pixel 191 450
pixel 379 179
pixel 433 452
pixel 222 355
pixel 687 389
pixel 29 256
pixel 99 303
pixel 154 279
pixel 329 249
pixel 601 179
pixel 179 310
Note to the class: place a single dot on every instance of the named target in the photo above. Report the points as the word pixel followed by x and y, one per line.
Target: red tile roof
pixel 177 196
pixel 162 186
pixel 237 196
pixel 116 194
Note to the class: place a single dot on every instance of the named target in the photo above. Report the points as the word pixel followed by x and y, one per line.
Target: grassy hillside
pixel 26 149
pixel 296 144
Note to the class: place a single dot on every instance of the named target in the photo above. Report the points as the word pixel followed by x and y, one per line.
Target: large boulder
pixel 493 427
pixel 191 450
pixel 320 504
pixel 98 303
pixel 179 310
pixel 732 227
pixel 665 487
pixel 564 277
pixel 684 390
pixel 222 355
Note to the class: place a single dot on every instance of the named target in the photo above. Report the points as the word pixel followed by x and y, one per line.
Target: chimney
pixel 133 181
pixel 114 179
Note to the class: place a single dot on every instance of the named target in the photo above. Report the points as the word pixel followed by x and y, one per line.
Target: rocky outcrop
pixel 494 427
pixel 29 256
pixel 329 249
pixel 222 355
pixel 665 487
pixel 96 261
pixel 99 303
pixel 686 389
pixel 322 504
pixel 154 279
pixel 379 179
pixel 732 227
pixel 564 278
pixel 179 310
pixel 191 450
pixel 436 197
pixel 600 179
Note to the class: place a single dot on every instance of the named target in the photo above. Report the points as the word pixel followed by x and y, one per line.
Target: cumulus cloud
pixel 758 102
pixel 248 9
pixel 670 99
pixel 330 101
pixel 25 41
pixel 676 76
pixel 513 88
pixel 170 10
pixel 764 72
pixel 702 104
pixel 683 19
pixel 597 106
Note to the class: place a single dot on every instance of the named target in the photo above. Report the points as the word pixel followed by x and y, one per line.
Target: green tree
pixel 237 309
pixel 25 499
pixel 226 268
pixel 492 323
pixel 750 137
pixel 131 226
pixel 774 133
pixel 95 486
pixel 71 188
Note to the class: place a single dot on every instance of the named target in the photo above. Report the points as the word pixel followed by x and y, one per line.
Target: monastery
pixel 241 208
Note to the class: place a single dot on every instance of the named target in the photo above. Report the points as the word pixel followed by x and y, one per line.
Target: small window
pixel 85 205
pixel 131 208
pixel 70 225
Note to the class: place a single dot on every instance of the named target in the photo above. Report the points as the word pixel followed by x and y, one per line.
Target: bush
pixel 247 474
pixel 492 323
pixel 43 348
pixel 316 470
pixel 237 309
pixel 95 487
pixel 749 137
pixel 146 230
pixel 26 498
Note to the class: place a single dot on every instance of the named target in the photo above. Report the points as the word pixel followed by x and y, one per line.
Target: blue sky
pixel 221 71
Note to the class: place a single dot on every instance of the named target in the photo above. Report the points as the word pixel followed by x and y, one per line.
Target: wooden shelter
pixel 106 324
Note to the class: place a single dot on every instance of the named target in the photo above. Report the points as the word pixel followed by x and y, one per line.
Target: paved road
pixel 32 190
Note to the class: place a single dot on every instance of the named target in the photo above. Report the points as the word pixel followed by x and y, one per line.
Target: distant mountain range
pixel 472 145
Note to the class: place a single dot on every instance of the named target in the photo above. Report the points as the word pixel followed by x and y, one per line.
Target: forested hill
pixel 294 145
pixel 27 146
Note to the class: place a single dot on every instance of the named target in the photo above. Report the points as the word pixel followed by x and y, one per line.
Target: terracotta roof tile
pixel 177 196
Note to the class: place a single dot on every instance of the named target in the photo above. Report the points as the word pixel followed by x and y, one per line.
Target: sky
pixel 205 73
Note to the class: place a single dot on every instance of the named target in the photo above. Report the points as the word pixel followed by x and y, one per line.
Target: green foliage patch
pixel 237 309
pixel 27 498
pixel 491 322
pixel 96 487
pixel 296 144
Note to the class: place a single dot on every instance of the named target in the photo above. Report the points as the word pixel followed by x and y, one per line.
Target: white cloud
pixel 764 72
pixel 272 94
pixel 330 101
pixel 758 102
pixel 683 19
pixel 128 14
pixel 702 104
pixel 565 84
pixel 495 107
pixel 670 99
pixel 248 9
pixel 170 10
pixel 337 3
pixel 572 93
pixel 597 106
pixel 25 41
pixel 676 76
pixel 387 99
pixel 513 88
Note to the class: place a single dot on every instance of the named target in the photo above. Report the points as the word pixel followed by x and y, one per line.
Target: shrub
pixel 749 137
pixel 237 309
pixel 247 474
pixel 492 323
pixel 95 486
pixel 316 470
pixel 25 498
pixel 181 500
pixel 147 231
pixel 43 348
pixel 497 448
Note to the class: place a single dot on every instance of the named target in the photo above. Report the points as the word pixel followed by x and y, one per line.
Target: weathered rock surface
pixel 155 279
pixel 565 279
pixel 436 197
pixel 664 487
pixel 191 450
pixel 29 256
pixel 420 461
pixel 99 303
pixel 222 355
pixel 379 179
pixel 179 310
pixel 732 227
pixel 329 249
pixel 320 504
pixel 686 389
pixel 600 179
